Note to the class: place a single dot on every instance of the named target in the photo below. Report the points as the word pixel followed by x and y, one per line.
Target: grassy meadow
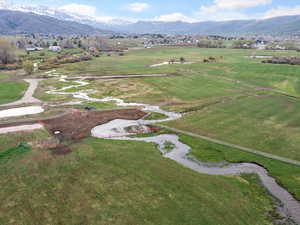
pixel 11 91
pixel 286 175
pixel 121 182
pixel 236 99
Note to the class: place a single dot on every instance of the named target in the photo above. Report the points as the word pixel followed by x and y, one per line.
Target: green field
pixel 11 91
pixel 236 99
pixel 286 175
pixel 120 182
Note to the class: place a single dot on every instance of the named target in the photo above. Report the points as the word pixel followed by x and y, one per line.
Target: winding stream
pixel 118 130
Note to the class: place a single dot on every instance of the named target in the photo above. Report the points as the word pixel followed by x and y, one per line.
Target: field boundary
pixel 238 147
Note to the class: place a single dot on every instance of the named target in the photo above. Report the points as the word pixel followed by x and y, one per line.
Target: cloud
pixel 4 2
pixel 282 11
pixel 85 10
pixel 138 7
pixel 222 10
pixel 234 5
pixel 173 17
pixel 223 16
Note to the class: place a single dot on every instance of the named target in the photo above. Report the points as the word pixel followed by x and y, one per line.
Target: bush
pixel 211 44
pixel 52 60
pixel 86 58
pixel 28 67
pixel 11 153
pixel 283 60
pixel 47 66
pixel 14 66
pixel 243 44
pixel 73 59
pixel 182 60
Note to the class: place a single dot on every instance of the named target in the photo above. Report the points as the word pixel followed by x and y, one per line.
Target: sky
pixel 172 10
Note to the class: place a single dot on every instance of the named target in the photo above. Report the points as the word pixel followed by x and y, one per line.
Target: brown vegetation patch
pixel 283 60
pixel 61 150
pixel 78 124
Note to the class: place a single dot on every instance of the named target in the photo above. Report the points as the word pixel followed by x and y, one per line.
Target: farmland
pixel 235 99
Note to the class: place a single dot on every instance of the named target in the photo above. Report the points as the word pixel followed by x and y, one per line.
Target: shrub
pixel 47 66
pixel 86 58
pixel 283 60
pixel 52 60
pixel 182 60
pixel 13 66
pixel 28 67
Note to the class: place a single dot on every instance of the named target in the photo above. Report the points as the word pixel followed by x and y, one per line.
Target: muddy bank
pixel 78 124
pixel 75 124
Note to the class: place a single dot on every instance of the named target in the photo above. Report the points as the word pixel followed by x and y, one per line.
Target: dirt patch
pixel 78 124
pixel 61 150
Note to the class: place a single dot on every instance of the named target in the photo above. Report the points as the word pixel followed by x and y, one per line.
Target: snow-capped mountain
pixel 287 25
pixel 62 14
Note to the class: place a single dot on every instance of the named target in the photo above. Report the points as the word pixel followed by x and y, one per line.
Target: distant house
pixel 32 49
pixel 55 48
pixel 92 49
pixel 280 47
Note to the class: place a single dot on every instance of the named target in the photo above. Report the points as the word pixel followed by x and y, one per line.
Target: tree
pixel 182 60
pixel 290 46
pixel 28 67
pixel 243 44
pixel 7 53
pixel 67 44
pixel 211 44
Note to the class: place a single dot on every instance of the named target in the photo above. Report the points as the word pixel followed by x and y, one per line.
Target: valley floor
pixel 85 180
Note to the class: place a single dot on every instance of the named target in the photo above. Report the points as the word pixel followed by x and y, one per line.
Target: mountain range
pixel 42 19
pixel 15 22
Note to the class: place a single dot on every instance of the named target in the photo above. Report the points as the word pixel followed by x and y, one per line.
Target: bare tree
pixel 67 44
pixel 7 52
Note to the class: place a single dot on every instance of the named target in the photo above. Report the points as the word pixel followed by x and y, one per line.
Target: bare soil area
pixel 78 124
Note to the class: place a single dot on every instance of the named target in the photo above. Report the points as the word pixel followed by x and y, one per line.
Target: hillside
pixel 287 25
pixel 16 22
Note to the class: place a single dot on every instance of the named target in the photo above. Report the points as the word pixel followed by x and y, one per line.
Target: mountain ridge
pixel 17 22
pixel 78 24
